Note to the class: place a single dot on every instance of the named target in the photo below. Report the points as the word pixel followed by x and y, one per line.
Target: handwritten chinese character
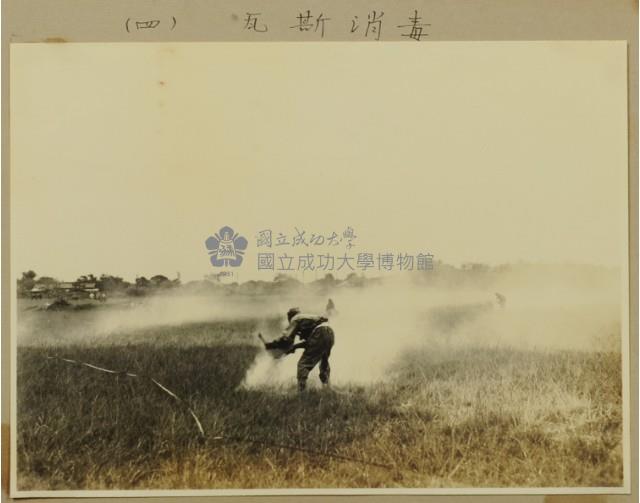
pixel 333 240
pixel 316 240
pixel 305 23
pixel 299 239
pixel 145 25
pixel 349 234
pixel 281 240
pixel 416 26
pixel 251 23
pixel 374 24
pixel 264 238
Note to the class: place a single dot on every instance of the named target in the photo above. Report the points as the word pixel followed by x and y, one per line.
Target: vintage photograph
pixel 260 268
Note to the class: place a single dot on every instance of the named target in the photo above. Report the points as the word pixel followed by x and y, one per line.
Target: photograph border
pixel 90 21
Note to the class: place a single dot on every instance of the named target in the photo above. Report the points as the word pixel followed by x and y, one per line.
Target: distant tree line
pixel 443 276
pixel 30 285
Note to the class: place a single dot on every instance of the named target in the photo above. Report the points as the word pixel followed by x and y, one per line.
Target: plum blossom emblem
pixel 226 248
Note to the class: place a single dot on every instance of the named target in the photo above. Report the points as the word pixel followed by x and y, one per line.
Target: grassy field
pixel 479 416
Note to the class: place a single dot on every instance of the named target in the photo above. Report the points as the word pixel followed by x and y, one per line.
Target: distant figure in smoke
pixel 502 300
pixel 317 339
pixel 330 309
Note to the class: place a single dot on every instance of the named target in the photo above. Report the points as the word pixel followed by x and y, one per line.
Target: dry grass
pixel 482 417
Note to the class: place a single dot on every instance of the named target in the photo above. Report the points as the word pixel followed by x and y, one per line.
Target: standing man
pixel 316 338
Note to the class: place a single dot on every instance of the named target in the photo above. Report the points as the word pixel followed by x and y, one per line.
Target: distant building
pixel 38 291
pixel 77 289
pixel 64 289
pixel 86 289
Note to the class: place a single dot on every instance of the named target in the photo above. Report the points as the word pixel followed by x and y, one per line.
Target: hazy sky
pixel 126 157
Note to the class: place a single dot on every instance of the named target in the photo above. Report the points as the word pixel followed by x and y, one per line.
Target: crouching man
pixel 316 338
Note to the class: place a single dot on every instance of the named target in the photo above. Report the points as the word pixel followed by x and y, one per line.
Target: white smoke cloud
pixel 376 326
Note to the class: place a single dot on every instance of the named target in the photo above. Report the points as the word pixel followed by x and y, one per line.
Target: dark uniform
pixel 317 340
